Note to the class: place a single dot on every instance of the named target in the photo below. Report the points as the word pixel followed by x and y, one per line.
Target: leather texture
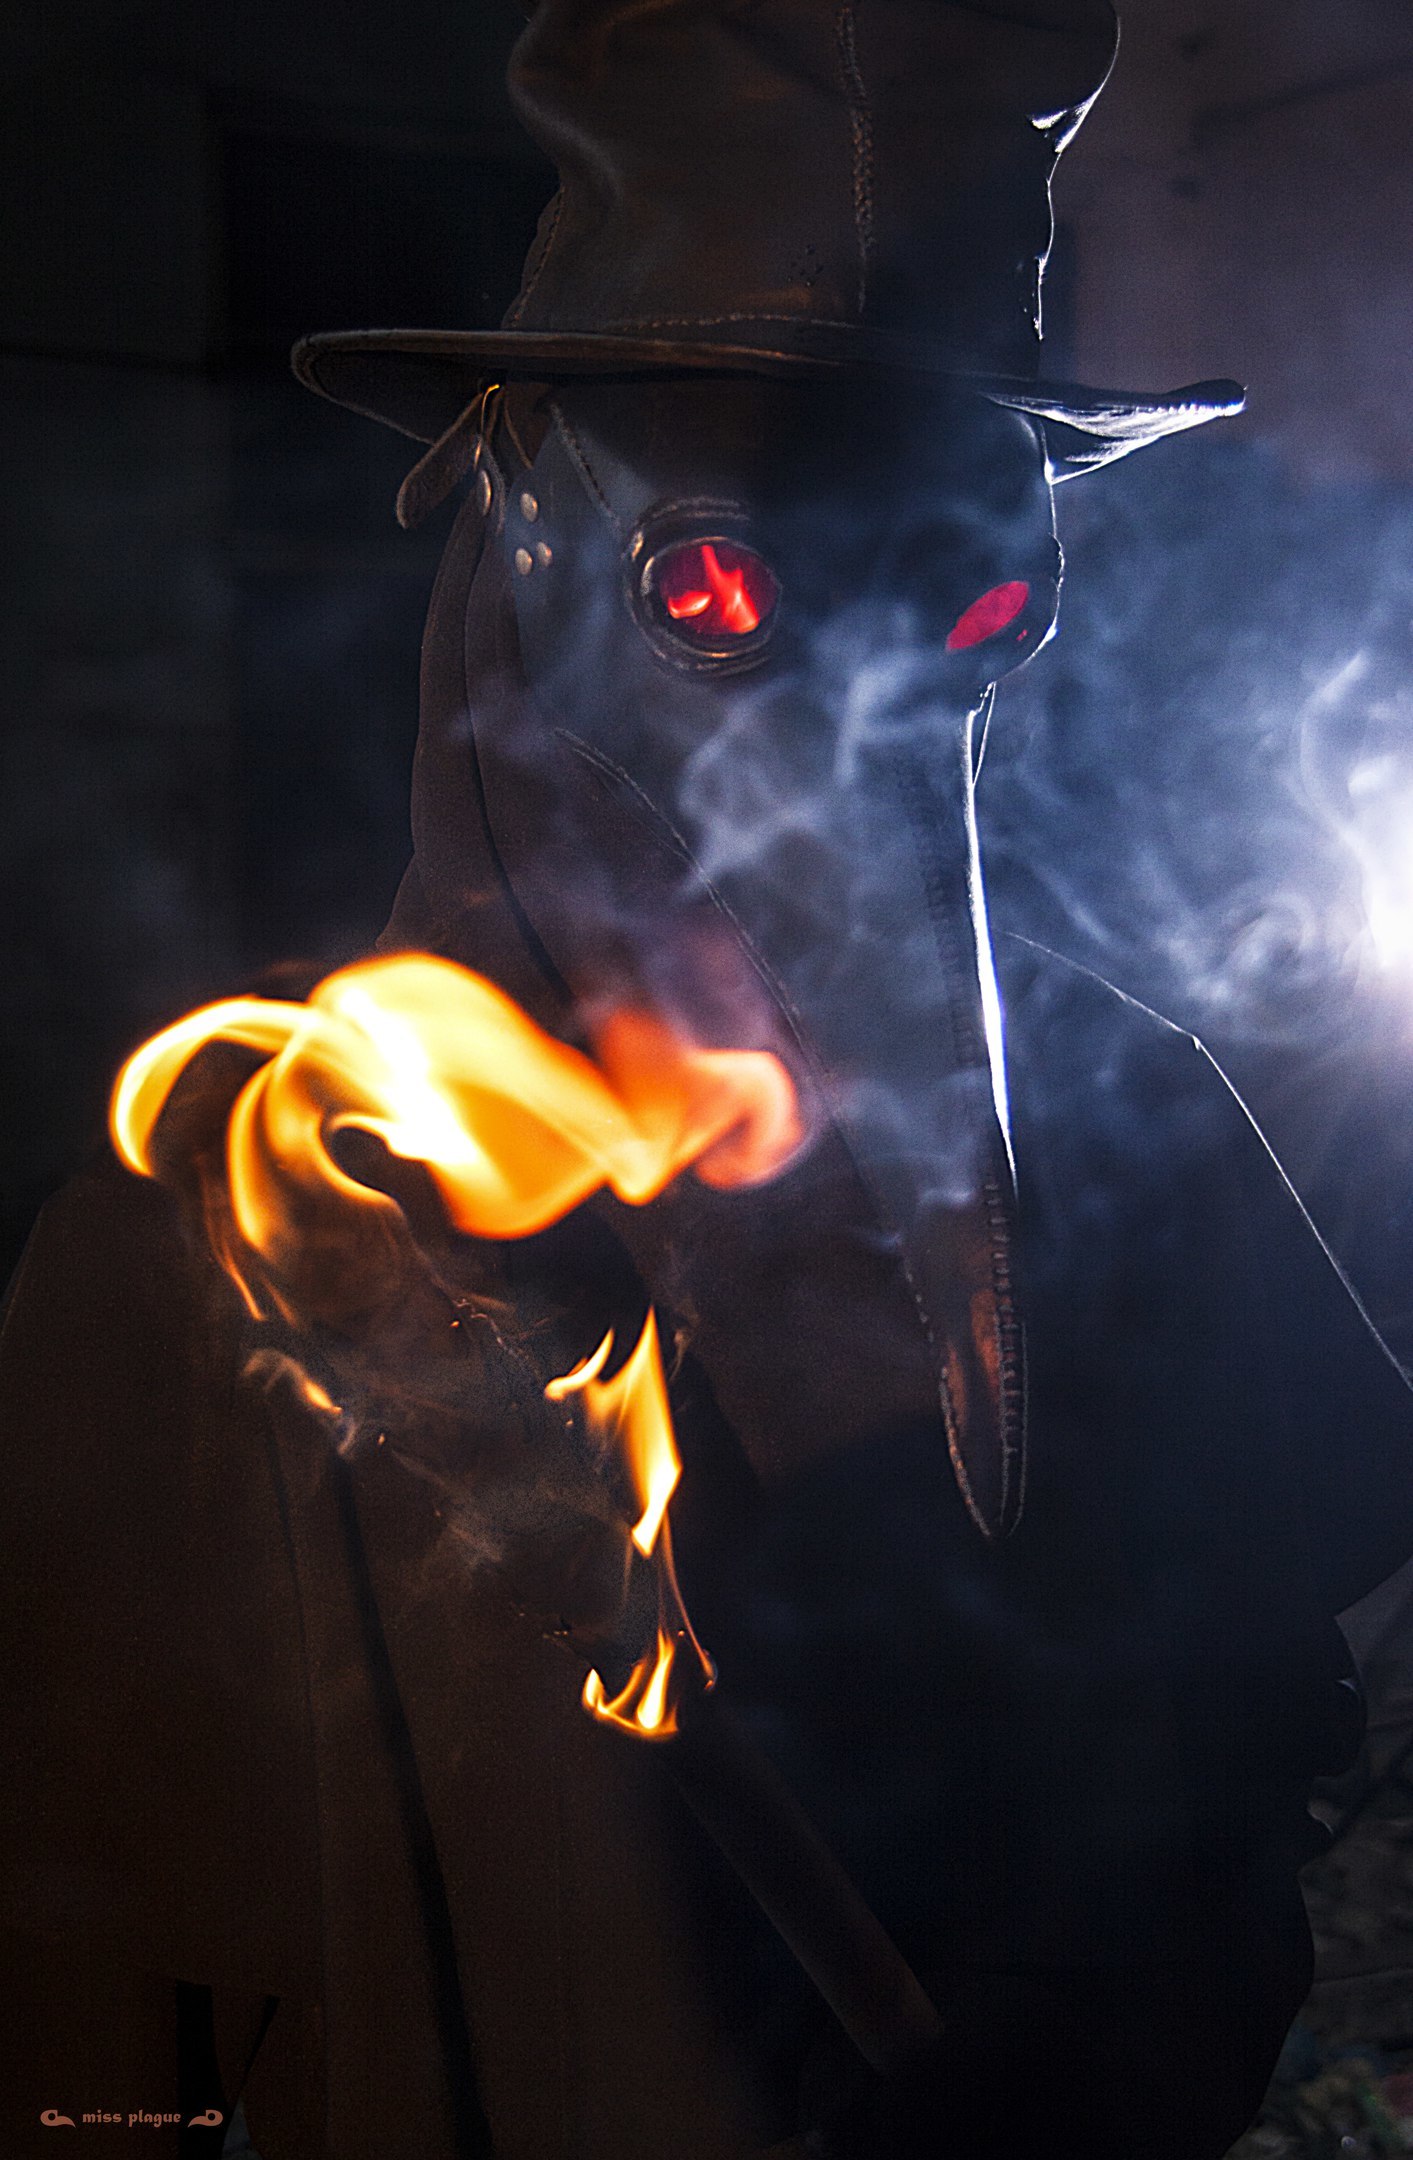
pixel 772 173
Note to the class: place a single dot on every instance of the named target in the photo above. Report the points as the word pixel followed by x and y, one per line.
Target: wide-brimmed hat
pixel 786 188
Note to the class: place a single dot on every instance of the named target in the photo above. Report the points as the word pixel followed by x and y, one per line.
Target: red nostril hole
pixel 992 612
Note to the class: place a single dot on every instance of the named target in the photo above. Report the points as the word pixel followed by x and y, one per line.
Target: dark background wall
pixel 208 684
pixel 1244 191
pixel 209 668
pixel 1205 788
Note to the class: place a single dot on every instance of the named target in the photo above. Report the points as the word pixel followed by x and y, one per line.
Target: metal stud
pixel 483 492
pixel 545 553
pixel 524 561
pixel 529 508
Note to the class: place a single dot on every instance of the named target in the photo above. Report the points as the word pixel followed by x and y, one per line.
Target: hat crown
pixel 793 172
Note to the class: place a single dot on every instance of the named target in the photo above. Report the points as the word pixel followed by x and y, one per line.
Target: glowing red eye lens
pixel 712 591
pixel 992 612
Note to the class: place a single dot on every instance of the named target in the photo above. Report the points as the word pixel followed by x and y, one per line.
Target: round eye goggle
pixel 706 601
pixel 711 601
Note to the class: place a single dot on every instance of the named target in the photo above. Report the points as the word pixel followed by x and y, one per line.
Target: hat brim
pixel 418 381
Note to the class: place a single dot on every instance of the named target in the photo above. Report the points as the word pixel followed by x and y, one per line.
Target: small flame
pixel 274 1369
pixel 631 1414
pixel 729 591
pixel 318 1398
pixel 641 1706
pixel 581 1374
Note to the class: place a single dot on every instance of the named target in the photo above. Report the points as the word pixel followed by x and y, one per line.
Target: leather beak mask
pixel 711 643
pixel 725 652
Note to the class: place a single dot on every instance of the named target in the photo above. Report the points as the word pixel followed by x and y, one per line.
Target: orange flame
pixel 643 1706
pixel 318 1398
pixel 631 1413
pixel 515 1129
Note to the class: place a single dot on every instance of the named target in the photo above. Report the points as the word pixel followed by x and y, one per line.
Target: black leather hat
pixel 786 188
